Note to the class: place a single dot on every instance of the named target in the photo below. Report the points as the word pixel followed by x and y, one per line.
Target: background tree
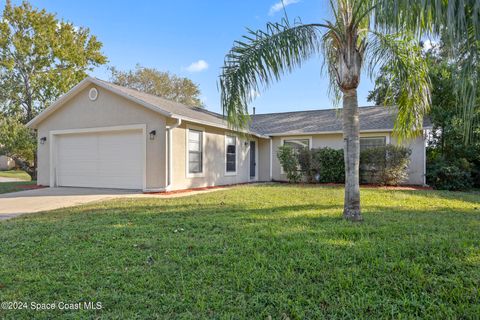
pixel 458 23
pixel 446 150
pixel 18 142
pixel 159 83
pixel 41 57
pixel 349 46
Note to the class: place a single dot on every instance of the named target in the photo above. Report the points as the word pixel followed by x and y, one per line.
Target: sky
pixel 191 37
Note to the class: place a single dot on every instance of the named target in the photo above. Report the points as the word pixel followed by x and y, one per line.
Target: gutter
pixel 169 152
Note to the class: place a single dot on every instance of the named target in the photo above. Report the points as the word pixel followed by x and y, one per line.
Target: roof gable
pixel 157 104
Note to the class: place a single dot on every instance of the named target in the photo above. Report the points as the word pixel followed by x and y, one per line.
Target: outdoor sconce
pixel 153 133
pixel 42 140
pixel 246 143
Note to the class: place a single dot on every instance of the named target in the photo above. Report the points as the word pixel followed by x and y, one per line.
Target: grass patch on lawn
pixel 6 187
pixel 19 174
pixel 250 252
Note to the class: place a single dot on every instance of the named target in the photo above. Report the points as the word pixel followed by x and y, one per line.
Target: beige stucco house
pixel 106 136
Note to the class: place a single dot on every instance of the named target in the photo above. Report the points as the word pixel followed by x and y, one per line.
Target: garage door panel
pixel 103 160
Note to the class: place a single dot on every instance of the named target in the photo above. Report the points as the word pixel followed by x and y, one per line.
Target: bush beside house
pixel 290 164
pixel 324 165
pixel 450 175
pixel 455 170
pixel 382 165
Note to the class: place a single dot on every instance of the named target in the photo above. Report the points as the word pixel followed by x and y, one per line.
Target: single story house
pixel 103 135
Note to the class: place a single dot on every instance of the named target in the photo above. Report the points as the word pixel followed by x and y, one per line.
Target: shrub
pixel 454 175
pixel 305 161
pixel 384 165
pixel 325 165
pixel 289 161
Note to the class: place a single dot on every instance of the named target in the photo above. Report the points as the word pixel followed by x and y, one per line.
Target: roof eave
pixel 332 132
pixel 89 80
pixel 216 125
pixel 80 86
pixel 58 103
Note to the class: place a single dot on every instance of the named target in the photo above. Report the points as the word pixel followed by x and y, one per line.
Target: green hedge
pixel 324 165
pixel 454 175
pixel 383 165
pixel 289 161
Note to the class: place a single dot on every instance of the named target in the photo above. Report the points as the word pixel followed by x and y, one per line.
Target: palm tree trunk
pixel 351 137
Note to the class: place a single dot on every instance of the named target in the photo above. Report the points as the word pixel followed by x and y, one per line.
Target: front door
pixel 253 163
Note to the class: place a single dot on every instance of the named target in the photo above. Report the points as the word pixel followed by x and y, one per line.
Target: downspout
pixel 271 158
pixel 169 152
pixel 424 142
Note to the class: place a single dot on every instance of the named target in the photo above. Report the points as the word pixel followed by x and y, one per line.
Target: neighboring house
pixel 6 163
pixel 107 136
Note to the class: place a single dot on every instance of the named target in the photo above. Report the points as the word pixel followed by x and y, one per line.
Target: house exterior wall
pixel 108 110
pixel 263 164
pixel 213 158
pixel 416 168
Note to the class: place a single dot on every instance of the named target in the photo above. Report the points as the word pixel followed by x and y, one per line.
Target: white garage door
pixel 100 160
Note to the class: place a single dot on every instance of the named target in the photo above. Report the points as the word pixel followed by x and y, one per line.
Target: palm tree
pixel 350 44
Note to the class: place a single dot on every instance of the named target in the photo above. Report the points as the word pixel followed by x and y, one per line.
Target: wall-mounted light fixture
pixel 153 133
pixel 246 143
pixel 43 140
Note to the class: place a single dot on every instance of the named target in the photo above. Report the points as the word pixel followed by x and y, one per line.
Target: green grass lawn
pixel 19 174
pixel 6 187
pixel 250 252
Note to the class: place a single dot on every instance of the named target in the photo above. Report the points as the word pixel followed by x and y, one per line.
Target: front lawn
pixel 6 187
pixel 272 251
pixel 19 174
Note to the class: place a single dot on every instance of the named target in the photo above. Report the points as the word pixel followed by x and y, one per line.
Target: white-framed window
pixel 195 146
pixel 372 142
pixel 230 155
pixel 297 143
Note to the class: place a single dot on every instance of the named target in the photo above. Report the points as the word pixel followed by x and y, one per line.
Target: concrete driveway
pixel 29 201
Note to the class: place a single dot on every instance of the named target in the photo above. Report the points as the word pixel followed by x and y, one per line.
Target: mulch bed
pixel 29 186
pixel 371 186
pixel 195 189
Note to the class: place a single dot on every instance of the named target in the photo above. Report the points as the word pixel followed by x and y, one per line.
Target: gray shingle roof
pixel 171 106
pixel 293 123
pixel 317 121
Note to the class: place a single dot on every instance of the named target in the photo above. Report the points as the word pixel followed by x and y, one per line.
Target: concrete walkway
pixel 30 201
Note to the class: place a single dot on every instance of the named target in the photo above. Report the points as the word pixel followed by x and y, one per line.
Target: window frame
pixel 187 152
pixel 385 139
pixel 231 173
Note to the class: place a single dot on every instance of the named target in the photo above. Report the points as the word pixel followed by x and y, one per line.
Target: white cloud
pixel 254 94
pixel 279 6
pixel 198 66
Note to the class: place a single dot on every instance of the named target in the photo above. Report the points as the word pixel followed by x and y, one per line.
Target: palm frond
pixel 402 60
pixel 259 59
pixel 458 23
